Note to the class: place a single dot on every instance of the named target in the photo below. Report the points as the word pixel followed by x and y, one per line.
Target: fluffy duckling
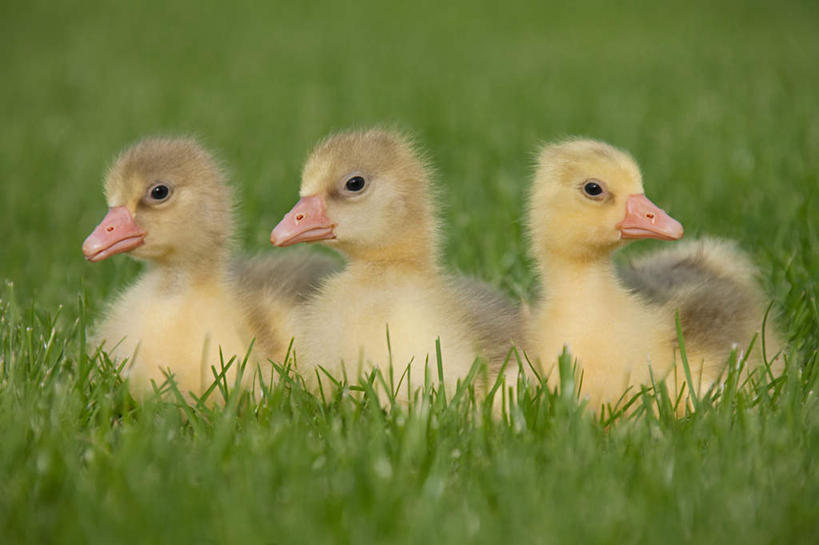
pixel 170 205
pixel 368 194
pixel 587 200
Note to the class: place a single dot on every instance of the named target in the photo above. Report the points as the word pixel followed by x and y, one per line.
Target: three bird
pixel 392 307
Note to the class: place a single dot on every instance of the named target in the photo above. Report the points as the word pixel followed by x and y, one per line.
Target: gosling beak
pixel 306 222
pixel 116 233
pixel 644 219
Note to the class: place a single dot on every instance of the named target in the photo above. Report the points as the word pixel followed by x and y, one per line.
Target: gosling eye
pixel 593 189
pixel 355 184
pixel 158 193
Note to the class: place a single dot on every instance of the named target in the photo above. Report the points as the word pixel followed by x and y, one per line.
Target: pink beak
pixel 116 233
pixel 644 219
pixel 306 222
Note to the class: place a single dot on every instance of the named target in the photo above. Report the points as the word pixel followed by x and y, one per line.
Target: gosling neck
pixel 191 271
pixel 418 253
pixel 575 279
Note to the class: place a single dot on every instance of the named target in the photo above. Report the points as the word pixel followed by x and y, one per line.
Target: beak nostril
pixel 650 215
pixel 110 228
pixel 299 217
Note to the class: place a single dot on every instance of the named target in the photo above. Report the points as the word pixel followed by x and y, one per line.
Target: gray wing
pixel 494 318
pixel 710 283
pixel 660 276
pixel 294 275
pixel 267 287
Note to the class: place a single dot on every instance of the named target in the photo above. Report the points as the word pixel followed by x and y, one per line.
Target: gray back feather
pixel 263 283
pixel 710 283
pixel 491 315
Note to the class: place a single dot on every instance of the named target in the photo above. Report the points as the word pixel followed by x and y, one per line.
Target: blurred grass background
pixel 717 100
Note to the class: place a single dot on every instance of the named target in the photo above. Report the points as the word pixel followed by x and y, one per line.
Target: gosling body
pixel 193 308
pixel 587 201
pixel 368 195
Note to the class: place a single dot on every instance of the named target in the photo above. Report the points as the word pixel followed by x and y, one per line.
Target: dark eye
pixel 355 184
pixel 593 189
pixel 159 192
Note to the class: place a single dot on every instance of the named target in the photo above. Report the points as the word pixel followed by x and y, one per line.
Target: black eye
pixel 593 189
pixel 355 184
pixel 159 192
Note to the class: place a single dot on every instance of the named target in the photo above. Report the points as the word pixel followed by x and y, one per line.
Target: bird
pixel 195 306
pixel 369 195
pixel 587 200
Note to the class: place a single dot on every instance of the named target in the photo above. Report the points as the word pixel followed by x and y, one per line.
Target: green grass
pixel 718 103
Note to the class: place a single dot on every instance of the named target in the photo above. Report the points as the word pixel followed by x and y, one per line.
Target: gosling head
pixel 366 193
pixel 587 199
pixel 168 203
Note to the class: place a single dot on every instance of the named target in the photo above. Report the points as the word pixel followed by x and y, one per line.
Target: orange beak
pixel 306 222
pixel 644 219
pixel 116 233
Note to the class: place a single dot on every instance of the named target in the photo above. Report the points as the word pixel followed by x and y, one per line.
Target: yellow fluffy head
pixel 578 198
pixel 177 193
pixel 376 190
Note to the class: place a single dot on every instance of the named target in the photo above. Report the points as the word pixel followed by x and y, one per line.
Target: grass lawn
pixel 718 101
